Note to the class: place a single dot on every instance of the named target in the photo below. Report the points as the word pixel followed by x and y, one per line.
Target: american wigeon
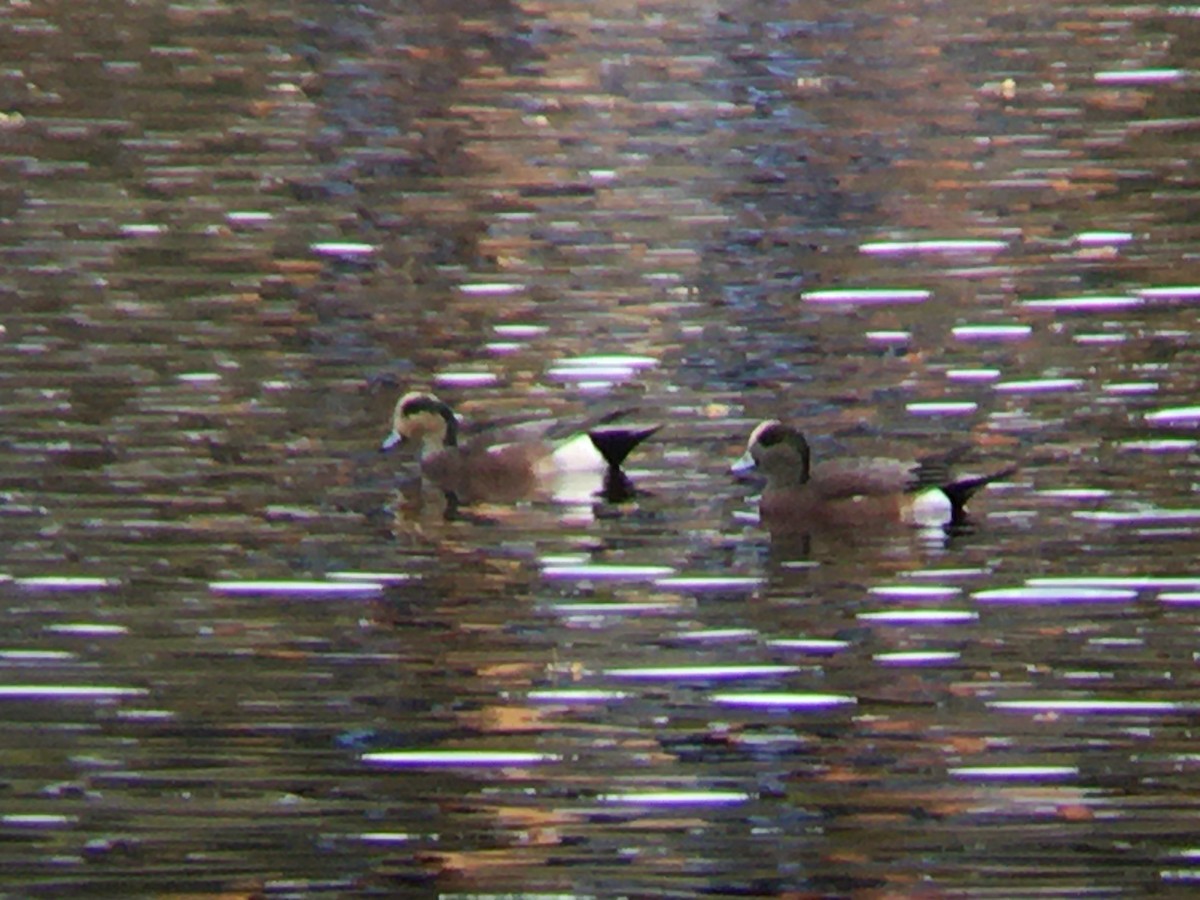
pixel 856 493
pixel 524 464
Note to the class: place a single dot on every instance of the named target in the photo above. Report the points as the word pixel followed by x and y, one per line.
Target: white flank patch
pixel 577 454
pixel 931 507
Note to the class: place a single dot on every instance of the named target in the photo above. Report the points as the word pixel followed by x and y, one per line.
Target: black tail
pixel 615 444
pixel 961 491
pixel 617 487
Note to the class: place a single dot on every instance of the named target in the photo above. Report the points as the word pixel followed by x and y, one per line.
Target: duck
pixel 527 466
pixel 852 493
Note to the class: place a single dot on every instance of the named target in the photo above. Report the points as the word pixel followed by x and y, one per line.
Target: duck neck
pixel 430 448
pixel 792 472
pixel 792 476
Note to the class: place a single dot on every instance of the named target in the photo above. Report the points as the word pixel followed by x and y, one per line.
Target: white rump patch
pixel 930 507
pixel 577 454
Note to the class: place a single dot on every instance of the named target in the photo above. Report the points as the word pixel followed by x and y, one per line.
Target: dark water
pixel 245 654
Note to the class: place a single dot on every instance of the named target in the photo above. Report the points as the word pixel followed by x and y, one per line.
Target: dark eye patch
pixel 421 404
pixel 775 434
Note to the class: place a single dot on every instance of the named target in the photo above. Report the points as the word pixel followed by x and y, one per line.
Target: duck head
pixel 421 418
pixel 777 451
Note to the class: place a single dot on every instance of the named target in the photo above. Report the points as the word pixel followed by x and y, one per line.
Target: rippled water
pixel 244 652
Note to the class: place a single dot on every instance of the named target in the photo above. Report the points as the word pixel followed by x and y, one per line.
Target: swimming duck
pixel 799 497
pixel 526 466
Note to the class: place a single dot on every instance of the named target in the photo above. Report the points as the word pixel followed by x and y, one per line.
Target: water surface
pixel 246 653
